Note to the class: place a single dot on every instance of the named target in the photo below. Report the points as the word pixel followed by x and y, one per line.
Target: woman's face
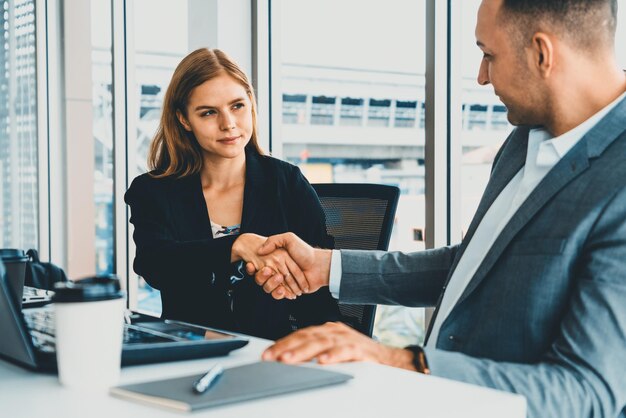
pixel 219 114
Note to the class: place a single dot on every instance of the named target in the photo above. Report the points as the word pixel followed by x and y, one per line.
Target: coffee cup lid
pixel 12 254
pixel 89 289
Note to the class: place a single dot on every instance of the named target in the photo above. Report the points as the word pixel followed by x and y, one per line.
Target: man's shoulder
pixel 611 160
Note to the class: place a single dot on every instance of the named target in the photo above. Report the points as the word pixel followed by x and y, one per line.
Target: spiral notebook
pixel 237 384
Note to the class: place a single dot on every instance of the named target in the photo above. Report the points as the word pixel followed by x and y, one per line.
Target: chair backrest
pixel 359 217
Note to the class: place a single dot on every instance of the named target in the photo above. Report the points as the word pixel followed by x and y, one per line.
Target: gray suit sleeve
pixel 582 374
pixel 395 278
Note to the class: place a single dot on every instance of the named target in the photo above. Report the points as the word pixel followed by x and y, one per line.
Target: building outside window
pixel 406 112
pixel 379 112
pixel 18 126
pixel 294 108
pixel 351 113
pixel 323 110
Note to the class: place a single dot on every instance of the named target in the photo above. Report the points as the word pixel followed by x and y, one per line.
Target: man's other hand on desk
pixel 335 342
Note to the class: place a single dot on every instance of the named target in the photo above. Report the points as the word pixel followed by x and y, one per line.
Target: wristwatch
pixel 419 358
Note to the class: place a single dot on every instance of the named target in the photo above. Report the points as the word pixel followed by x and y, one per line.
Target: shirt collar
pixel 552 149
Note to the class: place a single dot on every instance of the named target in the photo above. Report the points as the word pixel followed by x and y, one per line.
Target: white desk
pixel 375 391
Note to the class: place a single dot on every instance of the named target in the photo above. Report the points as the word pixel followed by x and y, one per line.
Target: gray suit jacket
pixel 545 314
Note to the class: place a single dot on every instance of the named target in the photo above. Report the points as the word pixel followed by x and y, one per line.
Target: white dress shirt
pixel 544 152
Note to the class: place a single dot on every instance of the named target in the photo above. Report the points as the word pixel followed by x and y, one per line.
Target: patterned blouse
pixel 220 231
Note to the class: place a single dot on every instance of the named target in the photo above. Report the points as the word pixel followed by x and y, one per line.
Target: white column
pixel 266 63
pixel 78 139
pixel 456 124
pixel 437 127
pixel 261 69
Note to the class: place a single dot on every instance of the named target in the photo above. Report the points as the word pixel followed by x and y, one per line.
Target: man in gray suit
pixel 533 301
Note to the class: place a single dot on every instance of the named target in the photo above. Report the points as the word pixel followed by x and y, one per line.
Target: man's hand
pixel 335 342
pixel 246 247
pixel 314 263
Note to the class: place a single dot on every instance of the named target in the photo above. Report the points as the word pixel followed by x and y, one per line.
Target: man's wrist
pixel 420 363
pixel 396 357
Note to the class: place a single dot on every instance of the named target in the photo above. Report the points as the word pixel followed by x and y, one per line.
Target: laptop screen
pixel 16 343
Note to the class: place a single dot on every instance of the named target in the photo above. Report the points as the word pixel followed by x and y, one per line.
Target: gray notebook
pixel 251 381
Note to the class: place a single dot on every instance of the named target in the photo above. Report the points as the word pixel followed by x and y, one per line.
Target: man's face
pixel 505 67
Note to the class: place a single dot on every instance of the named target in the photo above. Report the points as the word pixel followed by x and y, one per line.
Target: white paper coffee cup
pixel 89 332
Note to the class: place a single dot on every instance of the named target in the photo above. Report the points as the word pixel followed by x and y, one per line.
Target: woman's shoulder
pixel 149 184
pixel 275 163
pixel 149 180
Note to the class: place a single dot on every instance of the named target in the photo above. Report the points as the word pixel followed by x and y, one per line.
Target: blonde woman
pixel 210 199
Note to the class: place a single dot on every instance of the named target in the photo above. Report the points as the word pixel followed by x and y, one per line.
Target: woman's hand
pixel 246 247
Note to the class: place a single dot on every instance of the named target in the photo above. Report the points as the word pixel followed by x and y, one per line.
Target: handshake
pixel 284 265
pixel 288 267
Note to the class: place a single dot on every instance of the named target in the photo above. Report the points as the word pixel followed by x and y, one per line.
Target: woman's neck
pixel 223 173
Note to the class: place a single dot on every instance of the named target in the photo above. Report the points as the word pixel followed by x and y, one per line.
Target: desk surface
pixel 375 391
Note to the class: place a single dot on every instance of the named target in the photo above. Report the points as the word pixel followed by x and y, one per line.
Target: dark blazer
pixel 545 313
pixel 176 252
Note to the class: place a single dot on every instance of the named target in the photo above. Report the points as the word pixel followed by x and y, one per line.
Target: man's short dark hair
pixel 586 23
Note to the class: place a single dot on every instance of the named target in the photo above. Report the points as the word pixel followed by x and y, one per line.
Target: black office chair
pixel 359 217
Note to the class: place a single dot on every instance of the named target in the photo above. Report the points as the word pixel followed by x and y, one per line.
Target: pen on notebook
pixel 210 377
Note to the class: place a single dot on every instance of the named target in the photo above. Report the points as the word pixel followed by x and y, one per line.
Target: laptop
pixel 33 297
pixel 28 337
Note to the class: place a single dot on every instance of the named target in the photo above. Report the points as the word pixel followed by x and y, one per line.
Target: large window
pixel 353 92
pixel 102 98
pixel 18 126
pixel 153 53
pixel 484 119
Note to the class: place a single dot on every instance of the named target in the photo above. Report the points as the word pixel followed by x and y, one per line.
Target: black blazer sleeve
pixel 161 255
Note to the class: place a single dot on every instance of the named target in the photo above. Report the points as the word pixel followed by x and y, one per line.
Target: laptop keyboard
pixel 41 324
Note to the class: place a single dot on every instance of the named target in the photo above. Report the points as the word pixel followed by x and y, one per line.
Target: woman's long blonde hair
pixel 175 151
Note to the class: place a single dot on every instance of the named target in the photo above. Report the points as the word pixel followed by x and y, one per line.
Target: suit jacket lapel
pixel 507 166
pixel 508 163
pixel 574 163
